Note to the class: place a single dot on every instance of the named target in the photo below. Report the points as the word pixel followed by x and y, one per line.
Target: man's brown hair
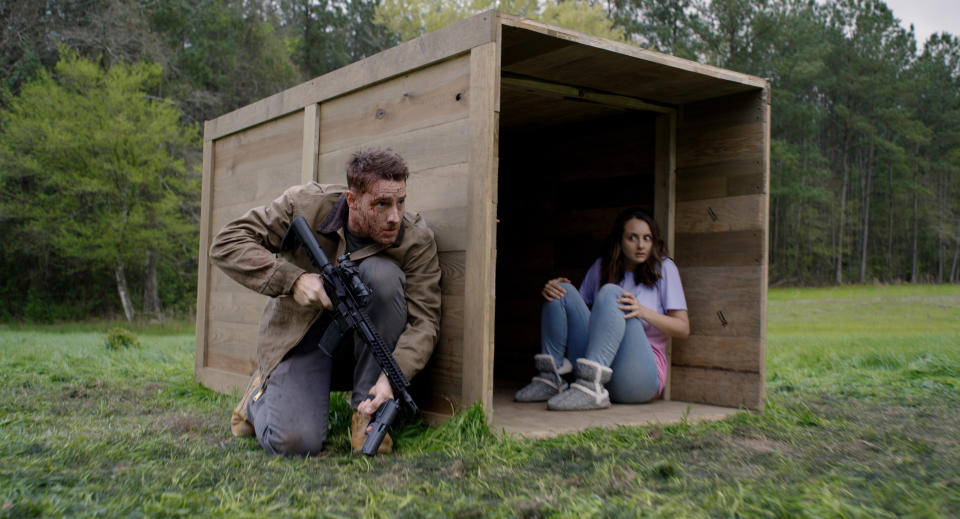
pixel 368 165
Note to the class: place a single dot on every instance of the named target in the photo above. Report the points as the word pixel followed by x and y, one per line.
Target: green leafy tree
pixel 220 54
pixel 90 169
pixel 109 30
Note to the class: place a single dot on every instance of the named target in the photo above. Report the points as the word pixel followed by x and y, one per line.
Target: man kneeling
pixel 287 401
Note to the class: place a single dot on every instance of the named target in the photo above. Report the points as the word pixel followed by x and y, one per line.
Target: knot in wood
pixel 381 113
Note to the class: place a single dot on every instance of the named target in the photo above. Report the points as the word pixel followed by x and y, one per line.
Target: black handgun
pixel 379 423
pixel 349 295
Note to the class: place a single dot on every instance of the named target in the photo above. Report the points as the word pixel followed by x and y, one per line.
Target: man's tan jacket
pixel 247 250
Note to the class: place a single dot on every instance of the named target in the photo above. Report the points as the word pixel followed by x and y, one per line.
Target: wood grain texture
pixel 453 268
pixel 713 249
pixel 242 306
pixel 203 260
pixel 478 331
pixel 449 226
pixel 423 149
pixel 712 351
pixel 643 73
pixel 223 381
pixel 245 170
pixel 257 165
pixel 718 387
pixel 444 187
pixel 765 100
pixel 311 143
pixel 239 339
pixel 726 111
pixel 448 355
pixel 427 97
pixel 724 301
pixel 731 178
pixel 665 177
pixel 581 94
pixel 732 213
pixel 241 365
pixel 722 221
pixel 700 146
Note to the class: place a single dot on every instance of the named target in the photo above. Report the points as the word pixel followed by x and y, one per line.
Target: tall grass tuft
pixel 119 338
pixel 465 431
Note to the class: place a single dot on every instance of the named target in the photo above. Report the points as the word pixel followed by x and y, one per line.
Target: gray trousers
pixel 290 416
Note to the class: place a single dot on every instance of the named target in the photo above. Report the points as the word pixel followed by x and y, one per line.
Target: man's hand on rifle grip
pixel 308 291
pixel 381 392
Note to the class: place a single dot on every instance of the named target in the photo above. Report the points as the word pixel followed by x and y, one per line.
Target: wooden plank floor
pixel 533 420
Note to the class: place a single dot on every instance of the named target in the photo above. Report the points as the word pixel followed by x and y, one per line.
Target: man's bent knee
pixel 384 276
pixel 292 443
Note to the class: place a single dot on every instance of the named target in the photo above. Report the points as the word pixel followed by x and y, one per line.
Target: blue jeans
pixel 569 329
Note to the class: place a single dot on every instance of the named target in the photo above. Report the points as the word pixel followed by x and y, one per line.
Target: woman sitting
pixel 615 328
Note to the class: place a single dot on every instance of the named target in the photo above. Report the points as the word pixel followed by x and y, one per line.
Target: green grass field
pixel 863 392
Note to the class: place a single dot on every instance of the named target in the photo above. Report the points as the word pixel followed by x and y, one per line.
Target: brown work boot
pixel 358 435
pixel 239 424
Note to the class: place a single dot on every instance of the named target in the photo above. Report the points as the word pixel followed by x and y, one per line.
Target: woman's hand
pixel 552 290
pixel 675 324
pixel 629 304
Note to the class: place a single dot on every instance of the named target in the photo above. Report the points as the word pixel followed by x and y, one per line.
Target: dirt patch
pixel 192 425
pixel 764 445
pixel 454 471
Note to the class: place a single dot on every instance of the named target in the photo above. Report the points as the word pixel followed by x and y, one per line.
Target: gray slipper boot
pixel 548 383
pixel 587 392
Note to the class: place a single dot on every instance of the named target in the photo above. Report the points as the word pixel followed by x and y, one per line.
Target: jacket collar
pixel 336 221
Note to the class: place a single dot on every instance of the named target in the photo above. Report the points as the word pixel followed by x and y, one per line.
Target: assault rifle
pixel 349 295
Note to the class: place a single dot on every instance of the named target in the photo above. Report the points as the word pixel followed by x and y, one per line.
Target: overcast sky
pixel 927 16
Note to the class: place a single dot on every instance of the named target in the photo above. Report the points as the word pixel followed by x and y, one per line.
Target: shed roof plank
pixel 632 50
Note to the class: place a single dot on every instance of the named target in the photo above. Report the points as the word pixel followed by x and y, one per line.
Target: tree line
pixel 101 103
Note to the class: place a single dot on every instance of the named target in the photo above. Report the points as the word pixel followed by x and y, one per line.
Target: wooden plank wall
pixel 721 248
pixel 423 116
pixel 242 171
pixel 561 188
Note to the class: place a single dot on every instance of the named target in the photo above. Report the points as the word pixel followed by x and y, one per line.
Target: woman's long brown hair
pixel 612 266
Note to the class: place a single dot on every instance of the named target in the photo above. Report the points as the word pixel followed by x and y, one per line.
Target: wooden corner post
pixel 479 306
pixel 664 200
pixel 311 143
pixel 203 259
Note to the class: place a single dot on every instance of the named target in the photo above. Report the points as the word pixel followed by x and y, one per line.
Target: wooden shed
pixel 524 141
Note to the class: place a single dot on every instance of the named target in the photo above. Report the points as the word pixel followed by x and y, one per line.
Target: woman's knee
pixel 569 291
pixel 609 292
pixel 628 388
pixel 607 297
pixel 635 377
